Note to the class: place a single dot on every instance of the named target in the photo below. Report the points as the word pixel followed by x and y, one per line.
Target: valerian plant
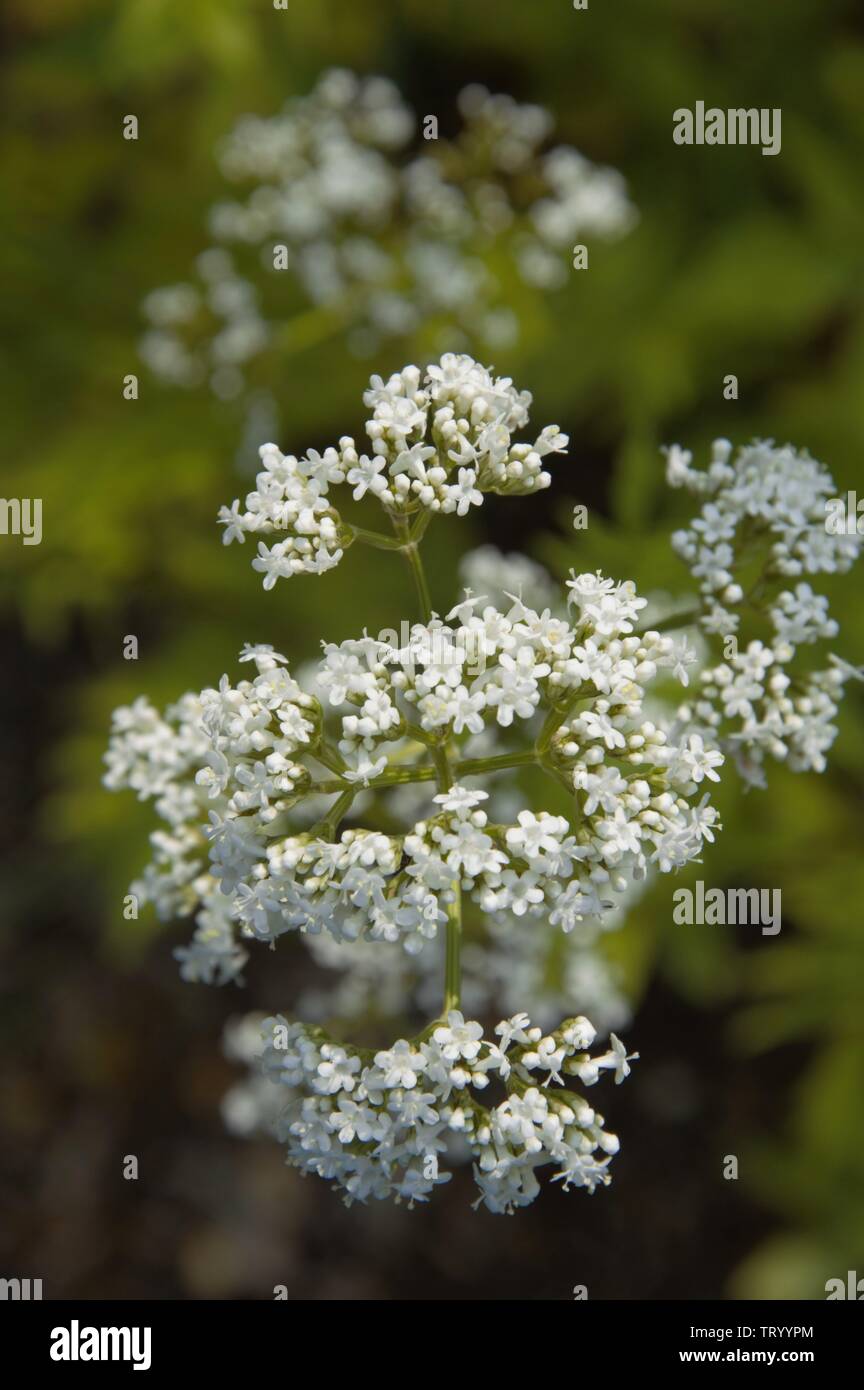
pixel 270 786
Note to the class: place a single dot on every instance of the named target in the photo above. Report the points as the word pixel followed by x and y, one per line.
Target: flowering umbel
pixel 437 442
pixel 761 530
pixel 274 788
pixel 379 1123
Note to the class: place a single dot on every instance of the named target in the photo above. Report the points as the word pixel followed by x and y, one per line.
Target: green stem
pixel 419 528
pixel 328 825
pixel 554 719
pixel 442 772
pixel 453 955
pixel 330 757
pixel 375 538
pixel 453 961
pixel 443 775
pixel 471 766
pixel 395 778
pixel 412 555
pixel 418 733
pixel 408 544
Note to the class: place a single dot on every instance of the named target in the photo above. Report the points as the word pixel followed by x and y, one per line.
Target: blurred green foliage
pixel 740 264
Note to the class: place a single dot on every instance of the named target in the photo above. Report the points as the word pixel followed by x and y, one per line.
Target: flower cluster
pixel 761 529
pixel 438 441
pixel 281 793
pixel 235 766
pixel 379 1124
pixel 380 238
pixel 159 757
pixel 504 967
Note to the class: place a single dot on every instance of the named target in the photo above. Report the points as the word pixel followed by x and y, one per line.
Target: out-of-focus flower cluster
pixel 381 1124
pixel 503 966
pixel 438 440
pixel 761 529
pixel 384 239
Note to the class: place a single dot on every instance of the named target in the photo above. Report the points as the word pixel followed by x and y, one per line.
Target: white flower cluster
pixel 246 756
pixel 763 525
pixel 385 239
pixel 380 1124
pixel 159 757
pixel 504 967
pixel 438 440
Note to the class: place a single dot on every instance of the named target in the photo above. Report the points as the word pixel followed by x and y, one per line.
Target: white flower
pixel 457 1038
pixel 696 761
pixel 266 658
pixel 365 476
pixel 516 1029
pixel 460 799
pixel 400 1065
pixel 537 836
pixel 618 1059
pixel 337 1070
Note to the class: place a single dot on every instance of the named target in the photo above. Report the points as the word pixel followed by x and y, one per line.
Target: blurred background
pixel 738 264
